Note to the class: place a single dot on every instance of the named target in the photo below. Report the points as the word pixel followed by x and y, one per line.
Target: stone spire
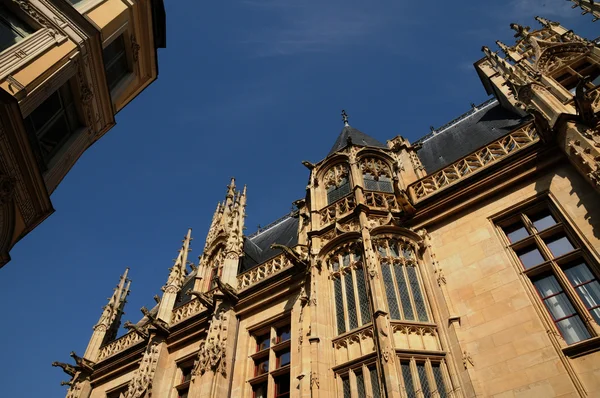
pixel 588 6
pixel 107 326
pixel 177 275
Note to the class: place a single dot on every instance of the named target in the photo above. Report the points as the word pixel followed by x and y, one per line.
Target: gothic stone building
pixel 464 264
pixel 66 68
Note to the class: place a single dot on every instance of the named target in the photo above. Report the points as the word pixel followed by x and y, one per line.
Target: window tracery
pixel 377 175
pixel 337 182
pixel 349 287
pixel 405 297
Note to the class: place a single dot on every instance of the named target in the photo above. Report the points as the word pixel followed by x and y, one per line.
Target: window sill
pixel 583 347
pixel 259 379
pixel 281 370
pixel 183 385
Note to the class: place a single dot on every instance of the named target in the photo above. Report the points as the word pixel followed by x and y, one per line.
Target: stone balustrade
pixel 475 162
pixel 186 311
pixel 262 271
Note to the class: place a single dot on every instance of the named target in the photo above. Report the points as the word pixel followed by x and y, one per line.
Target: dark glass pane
pixel 263 342
pixel 573 330
pixel 339 305
pixel 113 50
pixel 186 374
pixel 282 386
pixel 375 382
pixel 587 287
pixel 261 366
pixel 417 295
pixel 559 245
pixel 116 72
pixel 543 220
pixel 385 184
pixel 360 385
pixel 350 302
pixel 45 112
pixel 516 232
pixel 530 257
pixel 260 391
pixel 404 295
pixel 423 380
pixel 283 333
pixel 439 380
pixel 346 387
pixel 183 394
pixel 388 283
pixel 54 136
pixel 12 29
pixel 408 383
pixel 363 300
pixel 283 358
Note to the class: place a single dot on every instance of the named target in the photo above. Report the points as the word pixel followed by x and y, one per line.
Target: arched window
pixel 376 175
pixel 349 287
pixel 403 290
pixel 337 182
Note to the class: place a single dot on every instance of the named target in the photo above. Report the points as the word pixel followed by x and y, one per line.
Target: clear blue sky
pixel 246 89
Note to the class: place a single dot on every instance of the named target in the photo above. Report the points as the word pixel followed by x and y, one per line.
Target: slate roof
pixel 476 128
pixel 257 248
pixel 358 138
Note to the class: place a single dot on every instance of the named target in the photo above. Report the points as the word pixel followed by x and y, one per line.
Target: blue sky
pixel 246 89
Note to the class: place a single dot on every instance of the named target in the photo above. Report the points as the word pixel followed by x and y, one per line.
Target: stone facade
pixel 478 278
pixel 66 69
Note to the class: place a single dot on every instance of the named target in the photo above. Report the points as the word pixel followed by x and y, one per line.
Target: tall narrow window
pixel 272 359
pixel 570 76
pixel 337 182
pixel 12 29
pixel 558 267
pixel 377 175
pixel 184 377
pixel 52 123
pixel 401 281
pixel 365 382
pixel 426 377
pixel 352 308
pixel 115 62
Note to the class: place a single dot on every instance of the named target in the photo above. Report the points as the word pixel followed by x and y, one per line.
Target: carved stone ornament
pixel 211 356
pixel 376 167
pixel 314 380
pixel 467 360
pixel 7 189
pixel 36 15
pixel 336 175
pixel 135 49
pixel 74 389
pixel 144 375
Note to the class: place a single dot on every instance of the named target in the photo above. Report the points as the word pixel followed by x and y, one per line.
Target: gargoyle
pixel 68 369
pixel 204 299
pixel 157 298
pixel 583 103
pixel 130 326
pixel 227 290
pixel 154 321
pixel 290 254
pixel 541 124
pixel 308 164
pixel 81 362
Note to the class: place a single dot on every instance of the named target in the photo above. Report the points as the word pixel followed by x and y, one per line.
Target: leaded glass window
pixel 352 308
pixel 425 376
pixel 365 383
pixel 401 280
pixel 377 175
pixel 337 182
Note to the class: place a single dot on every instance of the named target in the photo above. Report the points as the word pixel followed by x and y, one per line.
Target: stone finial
pixel 115 303
pixel 178 271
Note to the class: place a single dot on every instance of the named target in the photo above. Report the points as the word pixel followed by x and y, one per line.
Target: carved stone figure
pixel 143 376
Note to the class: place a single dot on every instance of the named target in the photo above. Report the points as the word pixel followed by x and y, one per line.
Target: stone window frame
pixel 346 267
pixel 378 167
pixel 552 265
pixel 125 31
pixel 333 175
pixel 384 255
pixel 351 378
pixel 46 35
pixel 117 391
pixel 274 371
pixel 421 368
pixel 86 5
pixel 569 83
pixel 180 384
